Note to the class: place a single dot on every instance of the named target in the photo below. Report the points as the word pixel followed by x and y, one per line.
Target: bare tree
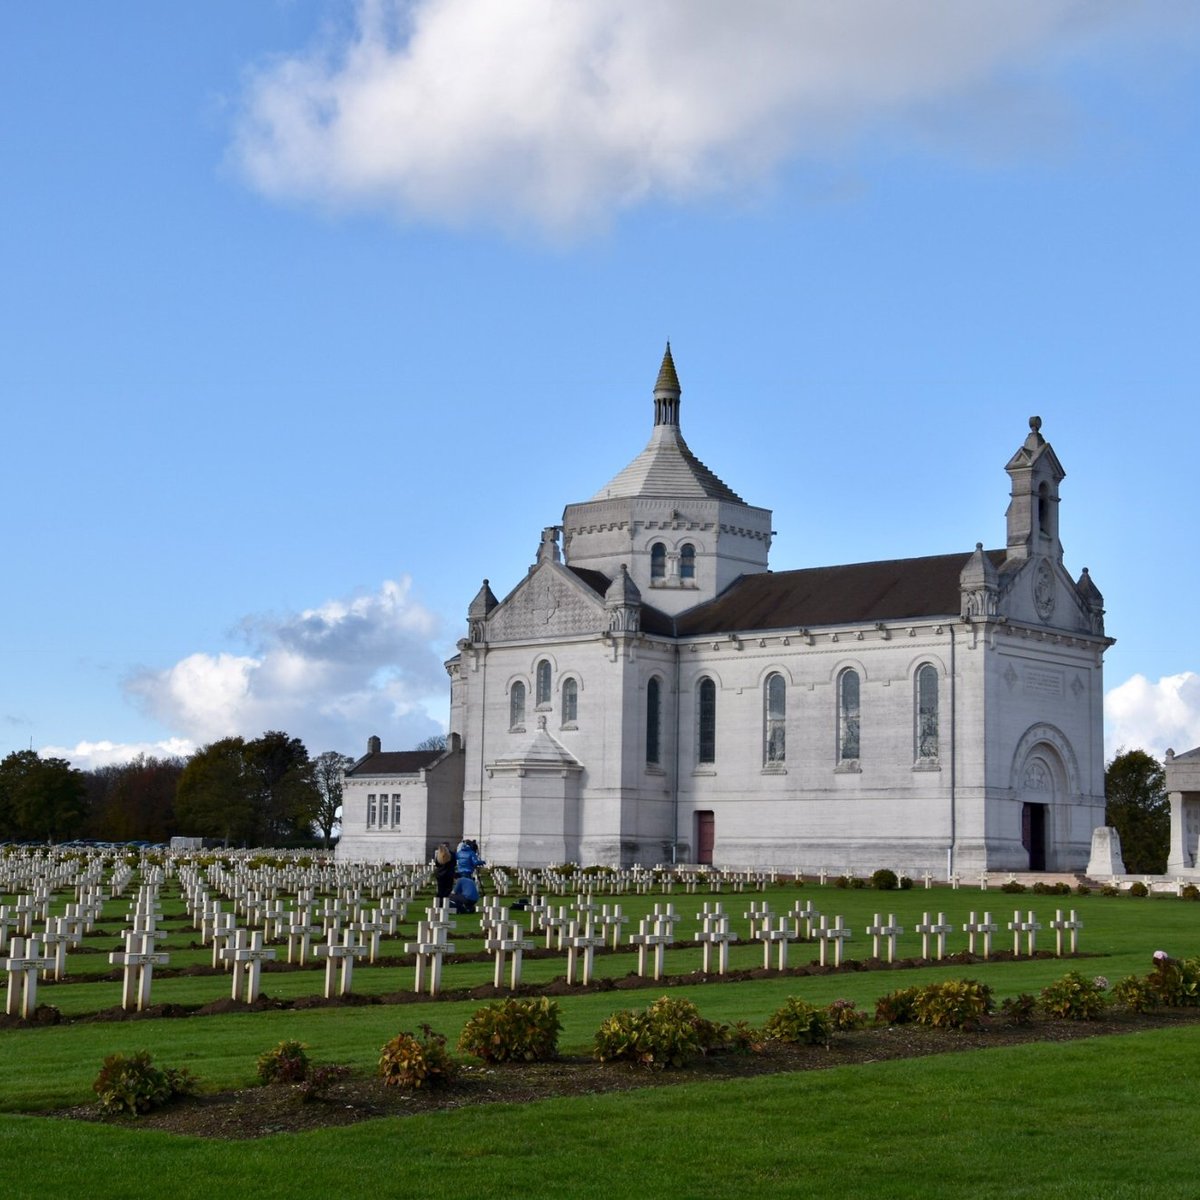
pixel 327 775
pixel 435 741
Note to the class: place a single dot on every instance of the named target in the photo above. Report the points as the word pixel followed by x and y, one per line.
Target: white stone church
pixel 652 692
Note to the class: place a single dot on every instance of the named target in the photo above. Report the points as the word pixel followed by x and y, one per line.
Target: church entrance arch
pixel 706 836
pixel 1039 786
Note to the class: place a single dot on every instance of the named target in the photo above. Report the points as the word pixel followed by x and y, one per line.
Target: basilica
pixel 651 691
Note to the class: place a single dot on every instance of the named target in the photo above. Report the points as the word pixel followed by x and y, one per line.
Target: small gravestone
pixel 717 935
pixel 137 960
pixel 1071 926
pixel 887 933
pixel 22 965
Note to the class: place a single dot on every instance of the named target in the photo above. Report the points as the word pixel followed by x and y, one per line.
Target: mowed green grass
pixel 1107 1117
pixel 1112 1116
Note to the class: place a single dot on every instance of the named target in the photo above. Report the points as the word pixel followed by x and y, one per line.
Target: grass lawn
pixel 1103 1117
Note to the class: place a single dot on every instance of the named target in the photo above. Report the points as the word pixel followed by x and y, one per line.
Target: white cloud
pixel 1144 715
pixel 86 755
pixel 536 112
pixel 330 675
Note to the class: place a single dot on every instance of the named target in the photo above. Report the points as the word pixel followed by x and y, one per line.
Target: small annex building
pixel 1183 792
pixel 652 691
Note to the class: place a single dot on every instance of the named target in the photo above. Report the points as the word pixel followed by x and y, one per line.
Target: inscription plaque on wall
pixel 1048 684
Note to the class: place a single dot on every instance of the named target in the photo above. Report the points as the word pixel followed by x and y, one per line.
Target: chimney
pixel 374 745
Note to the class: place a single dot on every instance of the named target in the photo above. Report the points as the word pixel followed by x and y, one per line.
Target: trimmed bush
pixel 286 1063
pixel 1020 1009
pixel 670 1033
pixel 799 1023
pixel 1138 888
pixel 905 883
pixel 1073 998
pixel 952 1004
pixel 1136 995
pixel 1012 887
pixel 412 1062
pixel 1189 891
pixel 898 1007
pixel 1110 889
pixel 884 880
pixel 844 1015
pixel 131 1083
pixel 1176 982
pixel 513 1031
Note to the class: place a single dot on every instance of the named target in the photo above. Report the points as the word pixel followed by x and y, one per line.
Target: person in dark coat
pixel 443 870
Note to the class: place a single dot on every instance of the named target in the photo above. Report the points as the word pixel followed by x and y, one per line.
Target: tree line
pixel 266 791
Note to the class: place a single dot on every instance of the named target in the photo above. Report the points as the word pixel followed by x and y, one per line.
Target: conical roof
pixel 667 467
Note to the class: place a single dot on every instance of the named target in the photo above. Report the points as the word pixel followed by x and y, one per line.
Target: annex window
pixel 543 684
pixel 395 811
pixel 687 561
pixel 370 810
pixel 849 716
pixel 653 721
pixel 658 561
pixel 384 811
pixel 516 706
pixel 707 714
pixel 927 713
pixel 570 701
pixel 774 720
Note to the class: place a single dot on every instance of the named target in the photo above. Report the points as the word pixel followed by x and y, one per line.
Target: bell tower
pixel 1032 514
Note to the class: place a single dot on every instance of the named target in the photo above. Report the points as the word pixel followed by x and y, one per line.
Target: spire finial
pixel 667 391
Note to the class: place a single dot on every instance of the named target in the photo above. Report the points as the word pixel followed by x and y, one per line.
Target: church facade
pixel 651 691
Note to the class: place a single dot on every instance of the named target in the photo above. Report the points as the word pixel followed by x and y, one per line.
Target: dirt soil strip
pixel 280 1108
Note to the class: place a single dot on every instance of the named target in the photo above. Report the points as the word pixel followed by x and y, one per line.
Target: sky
pixel 314 314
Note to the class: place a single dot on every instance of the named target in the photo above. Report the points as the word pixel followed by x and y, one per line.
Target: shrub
pixel 1138 888
pixel 319 1079
pixel 898 1007
pixel 1189 892
pixel 1073 997
pixel 512 1030
pixel 844 1014
pixel 856 882
pixel 1052 889
pixel 670 1033
pixel 842 881
pixel 952 1003
pixel 884 880
pixel 799 1024
pixel 1012 887
pixel 905 883
pixel 1082 889
pixel 743 1038
pixel 286 1063
pixel 1136 995
pixel 1176 982
pixel 1110 889
pixel 131 1083
pixel 1019 1010
pixel 412 1062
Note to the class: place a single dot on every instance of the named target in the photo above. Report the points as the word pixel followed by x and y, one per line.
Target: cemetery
pixel 206 961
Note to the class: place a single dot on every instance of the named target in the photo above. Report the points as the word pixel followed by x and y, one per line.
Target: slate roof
pixel 667 467
pixel 395 762
pixel 851 594
pixel 654 620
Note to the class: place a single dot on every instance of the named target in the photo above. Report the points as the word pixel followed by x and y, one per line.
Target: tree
pixel 41 798
pixel 1136 805
pixel 435 741
pixel 327 775
pixel 134 801
pixel 213 797
pixel 285 797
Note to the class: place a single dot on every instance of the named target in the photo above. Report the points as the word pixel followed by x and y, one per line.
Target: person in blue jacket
pixel 465 895
pixel 467 858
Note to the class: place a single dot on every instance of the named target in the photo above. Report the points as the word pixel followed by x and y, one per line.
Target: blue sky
pixel 316 313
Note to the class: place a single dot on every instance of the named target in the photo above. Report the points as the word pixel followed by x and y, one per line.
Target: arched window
pixel 927 713
pixel 653 721
pixel 543 684
pixel 687 561
pixel 848 717
pixel 774 720
pixel 707 722
pixel 570 701
pixel 658 561
pixel 1045 520
pixel 516 706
